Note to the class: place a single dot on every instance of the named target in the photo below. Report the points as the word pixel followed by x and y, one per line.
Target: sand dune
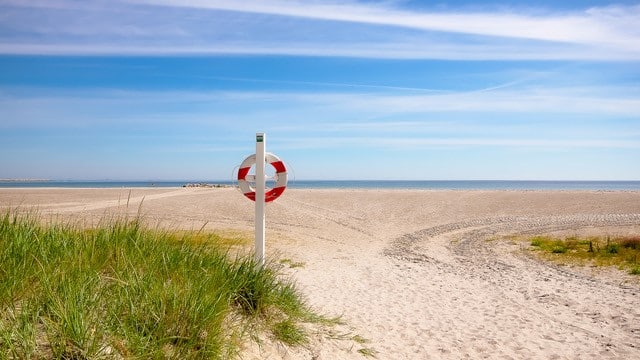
pixel 420 274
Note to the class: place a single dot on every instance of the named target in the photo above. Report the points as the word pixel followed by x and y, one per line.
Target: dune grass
pixel 622 252
pixel 124 291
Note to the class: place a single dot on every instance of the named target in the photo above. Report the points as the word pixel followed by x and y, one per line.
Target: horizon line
pixel 308 180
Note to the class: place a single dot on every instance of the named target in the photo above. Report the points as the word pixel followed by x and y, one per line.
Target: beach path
pixel 419 274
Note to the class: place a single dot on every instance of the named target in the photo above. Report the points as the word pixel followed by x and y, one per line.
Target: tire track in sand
pixel 511 305
pixel 103 204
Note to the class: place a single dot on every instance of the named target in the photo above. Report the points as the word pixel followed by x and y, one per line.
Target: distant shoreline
pixel 24 180
pixel 527 185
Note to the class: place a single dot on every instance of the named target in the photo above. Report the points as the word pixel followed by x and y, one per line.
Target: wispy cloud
pixel 412 143
pixel 594 25
pixel 213 120
pixel 312 28
pixel 611 101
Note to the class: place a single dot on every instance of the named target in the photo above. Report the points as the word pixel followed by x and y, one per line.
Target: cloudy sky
pixel 352 89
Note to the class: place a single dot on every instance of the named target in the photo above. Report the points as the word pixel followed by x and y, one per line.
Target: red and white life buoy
pixel 270 194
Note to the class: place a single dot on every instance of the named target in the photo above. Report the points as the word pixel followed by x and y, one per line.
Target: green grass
pixel 123 291
pixel 289 332
pixel 622 252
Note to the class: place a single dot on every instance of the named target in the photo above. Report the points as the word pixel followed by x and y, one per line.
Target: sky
pixel 343 89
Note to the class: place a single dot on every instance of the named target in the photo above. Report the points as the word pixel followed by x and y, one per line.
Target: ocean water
pixel 472 185
pixel 357 184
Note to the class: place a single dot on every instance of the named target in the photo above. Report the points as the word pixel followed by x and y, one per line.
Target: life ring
pixel 280 176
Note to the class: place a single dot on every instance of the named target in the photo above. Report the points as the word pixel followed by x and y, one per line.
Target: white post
pixel 260 194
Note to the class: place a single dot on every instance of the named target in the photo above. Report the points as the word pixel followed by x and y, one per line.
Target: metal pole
pixel 260 196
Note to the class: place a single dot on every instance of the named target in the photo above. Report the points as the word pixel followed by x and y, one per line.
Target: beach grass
pixel 121 290
pixel 621 252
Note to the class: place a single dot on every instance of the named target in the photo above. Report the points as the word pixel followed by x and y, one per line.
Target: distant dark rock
pixel 205 185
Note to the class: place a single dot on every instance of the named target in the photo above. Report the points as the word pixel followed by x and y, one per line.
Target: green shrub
pixel 538 241
pixel 560 247
pixel 613 248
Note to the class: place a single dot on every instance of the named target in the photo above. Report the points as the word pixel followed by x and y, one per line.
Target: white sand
pixel 417 273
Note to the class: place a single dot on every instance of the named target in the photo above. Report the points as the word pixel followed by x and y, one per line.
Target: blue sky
pixel 177 89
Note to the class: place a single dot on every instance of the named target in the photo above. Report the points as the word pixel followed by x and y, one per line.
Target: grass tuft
pixel 559 249
pixel 123 291
pixel 289 333
pixel 291 264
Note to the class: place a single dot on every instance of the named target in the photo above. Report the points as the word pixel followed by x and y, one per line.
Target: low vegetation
pixel 622 252
pixel 291 264
pixel 123 291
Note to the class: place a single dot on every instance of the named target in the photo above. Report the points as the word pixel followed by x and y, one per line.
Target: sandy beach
pixel 419 274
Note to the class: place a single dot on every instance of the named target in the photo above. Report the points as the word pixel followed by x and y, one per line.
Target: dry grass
pixel 621 252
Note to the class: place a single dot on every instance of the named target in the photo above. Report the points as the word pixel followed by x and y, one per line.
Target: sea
pixel 350 184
